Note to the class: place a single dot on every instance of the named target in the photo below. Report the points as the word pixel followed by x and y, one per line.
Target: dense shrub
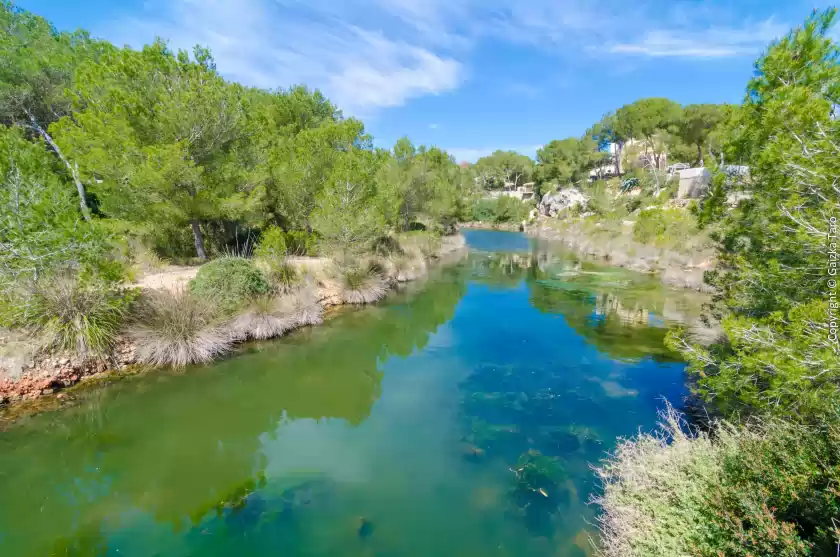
pixel 229 282
pixel 765 489
pixel 665 227
pixel 650 225
pixel 500 210
pixel 301 243
pixel 177 329
pixel 272 244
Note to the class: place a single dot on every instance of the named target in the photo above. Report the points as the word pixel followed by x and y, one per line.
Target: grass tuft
pixel 69 315
pixel 283 275
pixel 302 308
pixel 409 267
pixel 264 319
pixel 178 329
pixel 363 284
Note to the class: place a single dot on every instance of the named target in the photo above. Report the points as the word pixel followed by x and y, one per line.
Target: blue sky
pixel 470 76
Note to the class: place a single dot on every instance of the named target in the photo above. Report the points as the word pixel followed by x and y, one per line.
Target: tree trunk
pixel 618 148
pixel 199 239
pixel 73 171
pixel 700 155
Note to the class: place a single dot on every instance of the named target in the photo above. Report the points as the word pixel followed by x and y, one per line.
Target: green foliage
pixel 41 229
pixel 566 161
pixel 425 242
pixel 781 364
pixel 229 283
pixel 421 184
pixel 762 489
pixel 347 219
pixel 502 168
pixel 301 243
pixel 664 227
pixel 771 280
pixel 697 129
pixel 500 210
pixel 68 314
pixel 272 244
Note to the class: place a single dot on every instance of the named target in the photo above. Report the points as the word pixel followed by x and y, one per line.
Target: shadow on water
pixel 458 418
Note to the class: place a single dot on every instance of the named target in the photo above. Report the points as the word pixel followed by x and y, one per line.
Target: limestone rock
pixel 554 203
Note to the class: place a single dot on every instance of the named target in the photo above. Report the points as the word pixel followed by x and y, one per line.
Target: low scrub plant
pixel 283 275
pixel 408 267
pixel 262 320
pixel 230 283
pixel 67 313
pixel 302 308
pixel 363 284
pixel 766 488
pixel 423 242
pixel 667 228
pixel 178 329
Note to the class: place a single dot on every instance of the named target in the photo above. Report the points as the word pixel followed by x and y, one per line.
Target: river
pixel 459 417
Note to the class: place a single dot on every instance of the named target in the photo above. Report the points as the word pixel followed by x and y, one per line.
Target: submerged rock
pixel 365 527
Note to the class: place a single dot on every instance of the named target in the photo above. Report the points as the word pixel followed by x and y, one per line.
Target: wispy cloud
pixel 708 43
pixel 367 55
pixel 266 44
pixel 433 126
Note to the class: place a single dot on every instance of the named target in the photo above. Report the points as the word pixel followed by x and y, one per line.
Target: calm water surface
pixel 458 418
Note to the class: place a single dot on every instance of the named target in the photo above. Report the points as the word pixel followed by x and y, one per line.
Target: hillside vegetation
pixel 761 477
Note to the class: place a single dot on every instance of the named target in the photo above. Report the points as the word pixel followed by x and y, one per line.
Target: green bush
pixel 500 210
pixel 484 210
pixel 301 243
pixel 230 283
pixel 650 225
pixel 768 488
pixel 272 244
pixel 69 314
pixel 667 228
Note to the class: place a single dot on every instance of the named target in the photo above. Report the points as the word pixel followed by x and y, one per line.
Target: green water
pixel 457 418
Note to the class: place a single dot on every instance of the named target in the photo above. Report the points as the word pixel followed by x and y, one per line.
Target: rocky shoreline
pixel 50 374
pixel 675 269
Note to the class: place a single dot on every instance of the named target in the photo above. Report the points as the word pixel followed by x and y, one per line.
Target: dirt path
pixel 171 278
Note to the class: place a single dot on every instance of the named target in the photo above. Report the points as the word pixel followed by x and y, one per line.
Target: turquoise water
pixel 460 417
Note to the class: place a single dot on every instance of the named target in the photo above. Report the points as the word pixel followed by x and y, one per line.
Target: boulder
pixel 555 203
pixel 694 183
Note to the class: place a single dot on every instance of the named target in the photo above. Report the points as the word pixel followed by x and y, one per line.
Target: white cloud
pixel 372 54
pixel 433 126
pixel 470 154
pixel 269 45
pixel 709 43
